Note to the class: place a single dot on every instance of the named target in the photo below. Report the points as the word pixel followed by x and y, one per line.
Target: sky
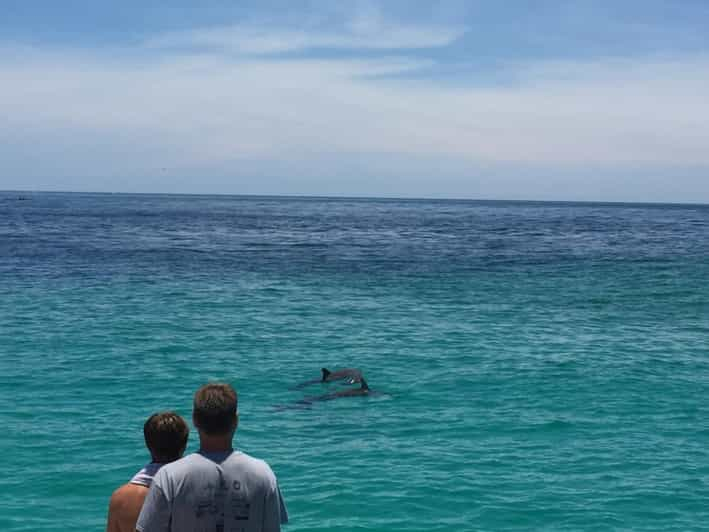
pixel 541 100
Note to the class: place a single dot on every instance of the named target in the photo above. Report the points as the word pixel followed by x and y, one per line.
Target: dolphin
pixel 351 375
pixel 352 392
pixel 307 402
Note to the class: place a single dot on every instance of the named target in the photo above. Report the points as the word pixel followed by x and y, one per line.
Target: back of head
pixel 166 436
pixel 215 408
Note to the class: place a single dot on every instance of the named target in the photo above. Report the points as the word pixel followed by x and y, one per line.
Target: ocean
pixel 541 366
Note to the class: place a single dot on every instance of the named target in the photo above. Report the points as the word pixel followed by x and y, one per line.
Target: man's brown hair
pixel 166 436
pixel 215 408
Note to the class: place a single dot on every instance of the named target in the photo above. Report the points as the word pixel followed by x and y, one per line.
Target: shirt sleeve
pixel 155 514
pixel 274 511
pixel 282 507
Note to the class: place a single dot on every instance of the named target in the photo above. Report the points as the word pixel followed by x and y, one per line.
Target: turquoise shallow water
pixel 544 366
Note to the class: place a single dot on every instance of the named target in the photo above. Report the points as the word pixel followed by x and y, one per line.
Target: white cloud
pixel 359 34
pixel 134 113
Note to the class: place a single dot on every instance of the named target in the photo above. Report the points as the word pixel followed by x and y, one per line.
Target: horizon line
pixel 346 197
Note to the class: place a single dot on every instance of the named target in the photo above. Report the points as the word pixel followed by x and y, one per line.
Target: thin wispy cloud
pixel 264 40
pixel 220 107
pixel 362 27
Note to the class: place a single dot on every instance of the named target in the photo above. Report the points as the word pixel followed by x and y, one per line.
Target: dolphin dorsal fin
pixel 325 373
pixel 364 386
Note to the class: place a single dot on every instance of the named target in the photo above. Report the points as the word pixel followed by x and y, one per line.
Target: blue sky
pixel 578 100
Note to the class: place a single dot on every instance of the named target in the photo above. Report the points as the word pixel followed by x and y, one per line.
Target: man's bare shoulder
pixel 129 493
pixel 125 506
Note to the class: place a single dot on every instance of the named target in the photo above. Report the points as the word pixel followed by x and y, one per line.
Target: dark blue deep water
pixel 542 365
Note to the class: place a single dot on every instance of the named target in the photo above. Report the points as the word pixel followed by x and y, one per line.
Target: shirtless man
pixel 166 438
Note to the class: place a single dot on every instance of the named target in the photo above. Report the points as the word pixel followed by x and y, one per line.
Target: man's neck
pixel 215 444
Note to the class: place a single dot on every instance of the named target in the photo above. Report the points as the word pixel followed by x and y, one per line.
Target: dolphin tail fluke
pixel 325 373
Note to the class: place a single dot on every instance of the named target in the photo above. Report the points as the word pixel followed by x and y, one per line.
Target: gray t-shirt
pixel 214 492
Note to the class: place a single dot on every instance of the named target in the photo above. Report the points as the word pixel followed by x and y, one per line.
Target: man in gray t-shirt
pixel 216 489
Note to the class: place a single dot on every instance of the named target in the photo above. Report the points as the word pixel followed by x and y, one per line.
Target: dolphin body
pixel 352 392
pixel 351 375
pixel 307 402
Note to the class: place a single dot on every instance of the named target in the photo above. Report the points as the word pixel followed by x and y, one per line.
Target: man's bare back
pixel 124 508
